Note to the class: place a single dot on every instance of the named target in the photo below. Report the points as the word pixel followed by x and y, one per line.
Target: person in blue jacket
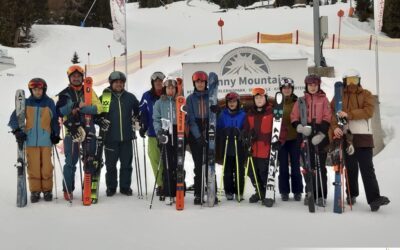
pixel 230 123
pixel 41 132
pixel 146 105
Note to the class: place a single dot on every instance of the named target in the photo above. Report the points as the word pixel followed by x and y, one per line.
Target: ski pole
pixel 237 170
pixel 65 183
pixel 80 166
pixel 145 168
pixel 223 169
pixel 255 177
pixel 137 160
pixel 136 168
pixel 320 175
pixel 155 181
pixel 168 180
pixel 55 176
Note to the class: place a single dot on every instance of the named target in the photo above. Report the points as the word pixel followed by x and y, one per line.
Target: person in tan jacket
pixel 358 109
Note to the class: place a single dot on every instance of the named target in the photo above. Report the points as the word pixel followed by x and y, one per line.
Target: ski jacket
pixel 287 109
pixel 164 114
pixel 123 107
pixel 147 102
pixel 41 121
pixel 319 114
pixel 359 106
pixel 260 123
pixel 234 120
pixel 197 112
pixel 69 97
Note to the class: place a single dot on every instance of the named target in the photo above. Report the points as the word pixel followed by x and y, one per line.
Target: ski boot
pixel 35 197
pixel 48 196
pixel 376 204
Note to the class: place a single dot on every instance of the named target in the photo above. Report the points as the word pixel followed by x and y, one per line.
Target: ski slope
pixel 122 222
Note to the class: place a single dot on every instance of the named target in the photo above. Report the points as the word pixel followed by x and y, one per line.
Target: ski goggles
pixel 157 75
pixel 258 91
pixel 37 83
pixel 168 82
pixel 232 96
pixel 199 76
pixel 352 80
pixel 286 82
pixel 312 79
pixel 75 68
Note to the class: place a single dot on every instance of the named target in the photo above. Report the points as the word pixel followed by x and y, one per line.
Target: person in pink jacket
pixel 318 121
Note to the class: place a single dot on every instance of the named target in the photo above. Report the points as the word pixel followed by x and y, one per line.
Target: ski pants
pixel 290 151
pixel 153 151
pixel 361 161
pixel 317 181
pixel 231 175
pixel 170 166
pixel 261 173
pixel 71 151
pixel 198 151
pixel 40 169
pixel 123 152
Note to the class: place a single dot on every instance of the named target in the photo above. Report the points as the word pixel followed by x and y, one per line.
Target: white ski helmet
pixel 350 73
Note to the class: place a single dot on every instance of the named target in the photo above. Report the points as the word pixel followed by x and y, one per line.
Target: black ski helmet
pixel 286 81
pixel 116 75
pixel 37 83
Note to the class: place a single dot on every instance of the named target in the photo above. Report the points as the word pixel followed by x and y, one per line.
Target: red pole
pixel 114 64
pixel 297 37
pixel 333 41
pixel 340 26
pixel 169 51
pixel 258 37
pixel 370 42
pixel 141 59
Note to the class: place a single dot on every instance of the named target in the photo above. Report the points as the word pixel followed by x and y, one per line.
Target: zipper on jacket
pixel 120 117
pixel 37 126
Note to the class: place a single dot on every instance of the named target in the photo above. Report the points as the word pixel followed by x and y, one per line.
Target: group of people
pixel 243 135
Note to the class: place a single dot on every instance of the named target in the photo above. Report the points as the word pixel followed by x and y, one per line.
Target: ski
pixel 20 165
pixel 338 154
pixel 87 161
pixel 273 155
pixel 213 100
pixel 98 158
pixel 305 153
pixel 180 173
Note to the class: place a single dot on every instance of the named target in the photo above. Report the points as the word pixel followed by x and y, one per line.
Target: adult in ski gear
pixel 230 123
pixel 41 132
pixel 164 122
pixel 358 109
pixel 289 152
pixel 146 105
pixel 318 118
pixel 197 114
pixel 72 108
pixel 258 126
pixel 118 140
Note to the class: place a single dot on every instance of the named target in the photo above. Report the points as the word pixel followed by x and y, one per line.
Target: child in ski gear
pixel 41 132
pixel 146 105
pixel 164 122
pixel 197 114
pixel 358 109
pixel 72 108
pixel 258 127
pixel 118 140
pixel 289 152
pixel 318 118
pixel 230 123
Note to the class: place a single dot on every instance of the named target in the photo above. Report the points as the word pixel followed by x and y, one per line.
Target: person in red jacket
pixel 318 121
pixel 258 127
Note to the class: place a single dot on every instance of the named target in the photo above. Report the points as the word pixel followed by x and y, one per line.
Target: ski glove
pixel 78 134
pixel 162 137
pixel 317 139
pixel 276 146
pixel 103 123
pixel 20 135
pixel 350 149
pixel 55 139
pixel 305 130
pixel 142 132
pixel 214 108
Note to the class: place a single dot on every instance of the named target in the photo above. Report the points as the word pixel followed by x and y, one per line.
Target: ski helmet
pixel 156 75
pixel 232 96
pixel 116 75
pixel 75 68
pixel 37 83
pixel 169 81
pixel 285 81
pixel 199 75
pixel 351 76
pixel 258 91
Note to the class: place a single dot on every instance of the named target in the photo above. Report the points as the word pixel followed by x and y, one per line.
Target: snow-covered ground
pixel 126 222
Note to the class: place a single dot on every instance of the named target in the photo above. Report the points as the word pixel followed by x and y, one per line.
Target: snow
pixel 126 222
